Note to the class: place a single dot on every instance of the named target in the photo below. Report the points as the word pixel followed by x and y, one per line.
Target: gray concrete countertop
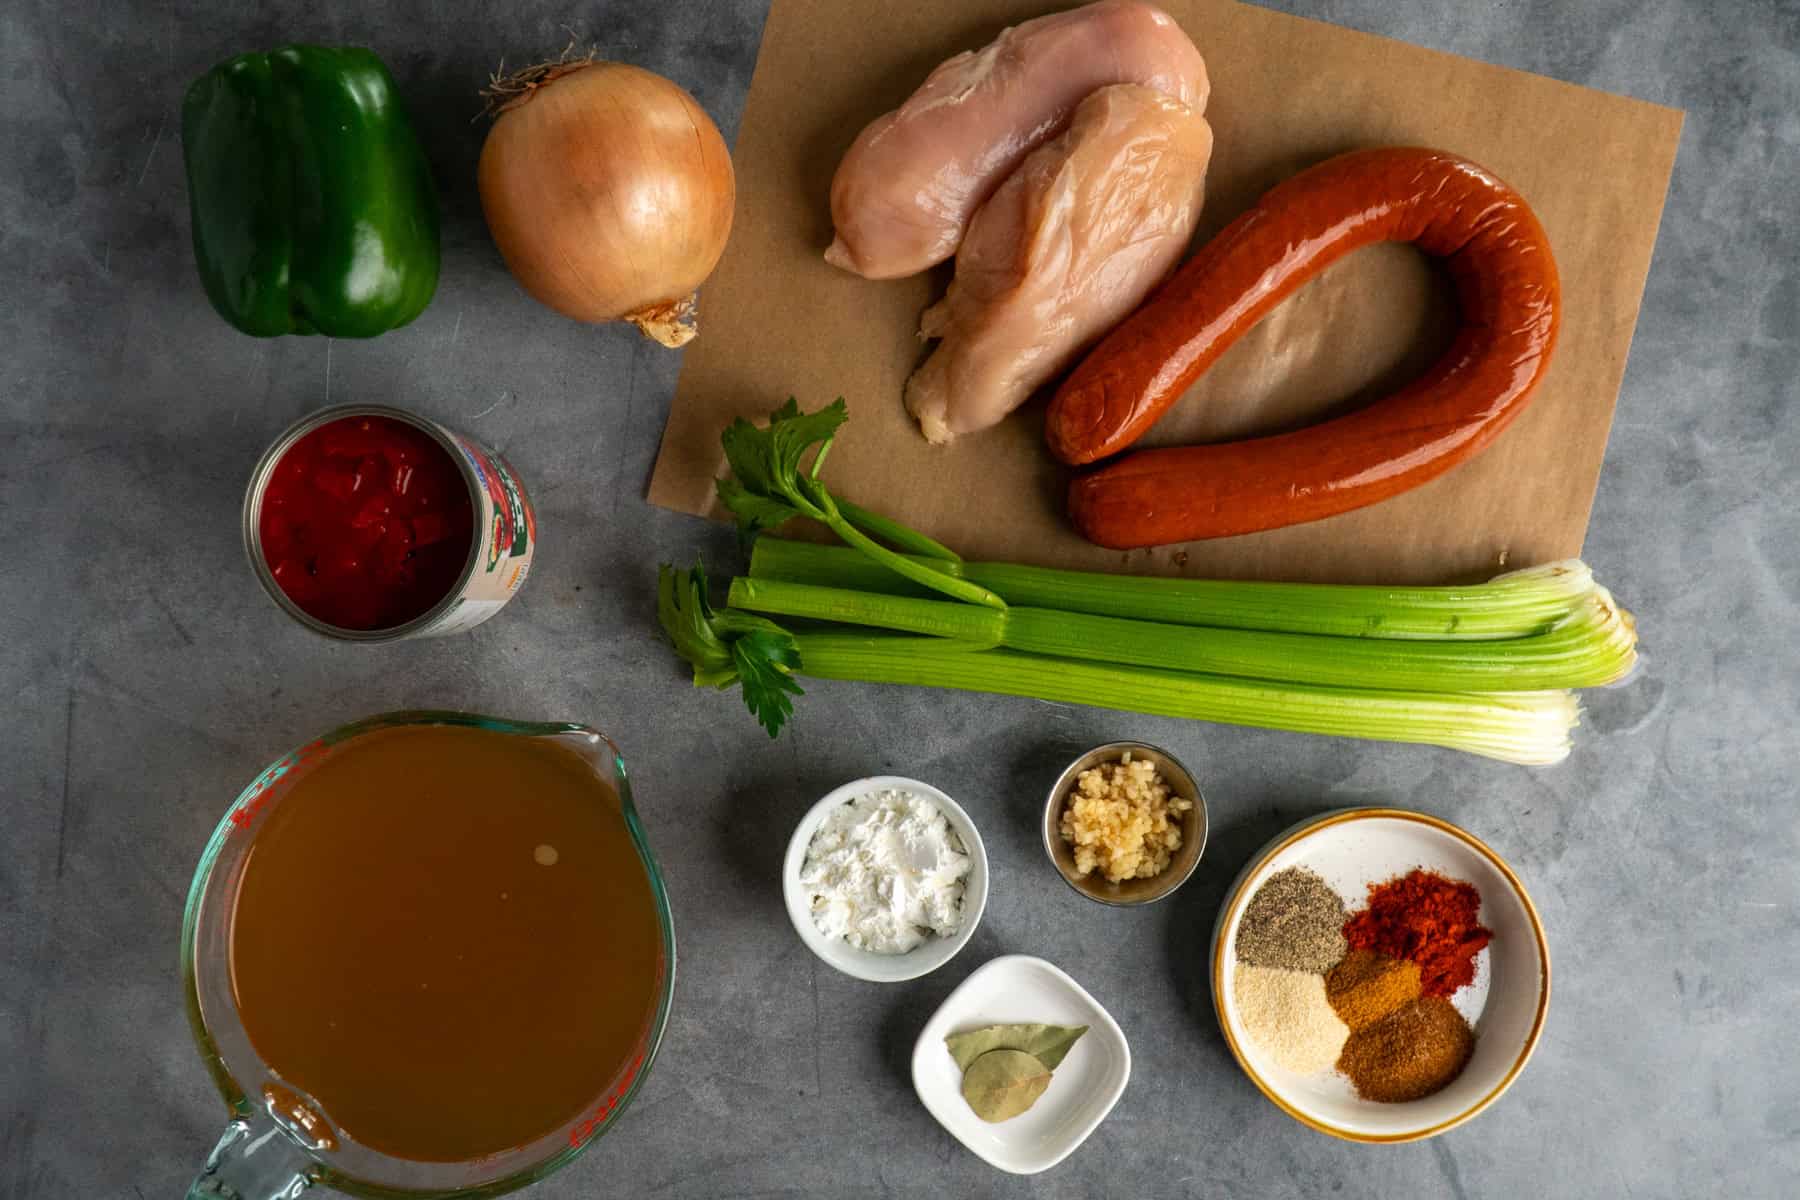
pixel 146 677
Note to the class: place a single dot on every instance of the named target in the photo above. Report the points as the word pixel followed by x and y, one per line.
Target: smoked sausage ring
pixel 1509 299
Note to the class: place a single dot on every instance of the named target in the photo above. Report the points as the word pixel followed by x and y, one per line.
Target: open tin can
pixel 501 543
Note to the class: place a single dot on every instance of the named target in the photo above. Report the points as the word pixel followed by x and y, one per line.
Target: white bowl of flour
pixel 885 878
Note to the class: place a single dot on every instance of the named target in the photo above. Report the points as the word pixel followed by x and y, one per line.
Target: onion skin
pixel 609 193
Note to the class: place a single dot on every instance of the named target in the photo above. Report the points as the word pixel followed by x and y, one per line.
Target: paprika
pixel 1427 919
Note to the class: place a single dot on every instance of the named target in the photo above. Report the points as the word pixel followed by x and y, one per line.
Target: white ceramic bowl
pixel 934 952
pixel 1019 989
pixel 1506 1003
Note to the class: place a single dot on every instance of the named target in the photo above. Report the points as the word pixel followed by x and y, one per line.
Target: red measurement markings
pixel 584 1129
pixel 245 814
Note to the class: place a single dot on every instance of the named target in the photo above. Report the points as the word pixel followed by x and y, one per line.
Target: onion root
pixel 671 323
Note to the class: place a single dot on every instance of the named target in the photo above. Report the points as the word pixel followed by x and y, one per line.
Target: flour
pixel 885 871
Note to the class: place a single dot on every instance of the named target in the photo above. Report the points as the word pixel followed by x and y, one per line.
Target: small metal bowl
pixel 1132 891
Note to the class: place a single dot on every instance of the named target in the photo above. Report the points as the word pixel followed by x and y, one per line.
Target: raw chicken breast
pixel 1068 246
pixel 902 198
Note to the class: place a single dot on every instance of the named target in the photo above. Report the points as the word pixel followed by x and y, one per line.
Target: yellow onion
pixel 609 192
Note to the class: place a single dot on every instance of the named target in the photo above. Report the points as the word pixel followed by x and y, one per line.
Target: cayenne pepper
pixel 1428 919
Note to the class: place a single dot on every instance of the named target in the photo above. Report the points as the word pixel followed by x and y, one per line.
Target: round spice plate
pixel 1505 1003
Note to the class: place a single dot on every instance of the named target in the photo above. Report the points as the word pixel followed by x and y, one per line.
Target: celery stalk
pixel 908 614
pixel 901 537
pixel 1531 728
pixel 730 646
pixel 1594 645
pixel 1513 605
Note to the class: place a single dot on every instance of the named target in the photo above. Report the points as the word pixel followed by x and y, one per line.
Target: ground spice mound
pixel 1427 919
pixel 1286 1012
pixel 1295 921
pixel 1368 986
pixel 1410 1054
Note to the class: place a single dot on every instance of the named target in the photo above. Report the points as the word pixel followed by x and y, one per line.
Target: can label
pixel 506 539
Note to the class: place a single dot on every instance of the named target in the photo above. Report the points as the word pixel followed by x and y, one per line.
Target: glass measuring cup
pixel 278 1141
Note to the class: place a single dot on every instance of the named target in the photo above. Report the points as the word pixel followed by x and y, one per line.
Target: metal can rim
pixel 252 521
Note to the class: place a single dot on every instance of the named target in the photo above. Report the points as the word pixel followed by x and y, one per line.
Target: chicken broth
pixel 446 937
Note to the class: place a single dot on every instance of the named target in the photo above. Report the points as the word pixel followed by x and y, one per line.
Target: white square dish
pixel 1017 988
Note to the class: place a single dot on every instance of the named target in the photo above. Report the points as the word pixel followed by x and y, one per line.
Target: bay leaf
pixel 1046 1043
pixel 1001 1084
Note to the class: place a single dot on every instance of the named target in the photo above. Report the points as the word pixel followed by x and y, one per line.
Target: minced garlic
pixel 1123 820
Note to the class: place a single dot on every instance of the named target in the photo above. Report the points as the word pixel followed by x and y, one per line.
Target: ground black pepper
pixel 1295 921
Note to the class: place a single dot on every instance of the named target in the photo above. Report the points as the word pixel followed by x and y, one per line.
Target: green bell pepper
pixel 313 205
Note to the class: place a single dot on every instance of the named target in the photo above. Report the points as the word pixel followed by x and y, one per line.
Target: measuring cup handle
pixel 255 1160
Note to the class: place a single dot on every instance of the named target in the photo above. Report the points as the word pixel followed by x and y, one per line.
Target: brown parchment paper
pixel 776 320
